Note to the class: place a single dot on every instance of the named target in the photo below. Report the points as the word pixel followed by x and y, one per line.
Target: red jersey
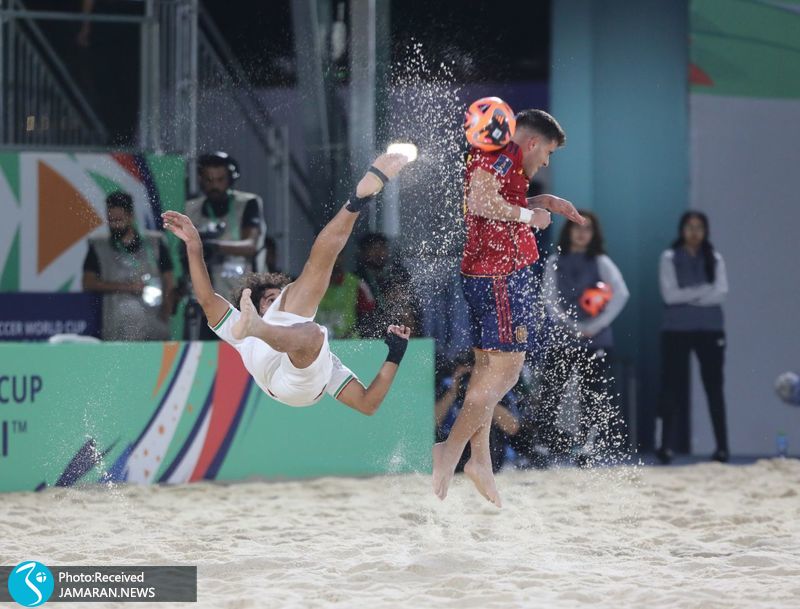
pixel 495 247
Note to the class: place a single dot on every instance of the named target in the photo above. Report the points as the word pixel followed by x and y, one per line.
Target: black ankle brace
pixel 378 174
pixel 355 204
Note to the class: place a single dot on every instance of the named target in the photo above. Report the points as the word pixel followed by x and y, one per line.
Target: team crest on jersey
pixel 502 164
pixel 521 334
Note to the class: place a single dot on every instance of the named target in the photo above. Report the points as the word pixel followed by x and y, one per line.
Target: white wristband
pixel 525 215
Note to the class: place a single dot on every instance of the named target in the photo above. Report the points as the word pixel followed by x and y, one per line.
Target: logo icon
pixel 521 334
pixel 502 164
pixel 30 583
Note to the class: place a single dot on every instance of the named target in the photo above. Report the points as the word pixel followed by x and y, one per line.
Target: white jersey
pixel 274 372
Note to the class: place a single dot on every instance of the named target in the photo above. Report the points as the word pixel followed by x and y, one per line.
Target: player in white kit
pixel 273 329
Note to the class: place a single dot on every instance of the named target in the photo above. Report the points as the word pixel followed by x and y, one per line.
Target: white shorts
pixel 302 386
pixel 274 372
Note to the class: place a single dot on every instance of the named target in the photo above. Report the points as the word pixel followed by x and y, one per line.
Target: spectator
pixel 337 310
pixel 582 310
pixel 230 224
pixel 389 297
pixel 450 398
pixel 693 285
pixel 133 272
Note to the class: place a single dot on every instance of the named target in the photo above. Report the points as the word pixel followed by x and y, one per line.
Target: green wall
pixel 619 81
pixel 101 407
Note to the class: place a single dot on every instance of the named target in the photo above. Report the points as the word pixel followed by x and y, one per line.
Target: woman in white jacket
pixel 694 285
pixel 583 312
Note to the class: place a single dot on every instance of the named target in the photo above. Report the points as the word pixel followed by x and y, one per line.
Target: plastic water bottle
pixel 782 445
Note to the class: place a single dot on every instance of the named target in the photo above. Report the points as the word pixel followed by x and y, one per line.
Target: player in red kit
pixel 498 285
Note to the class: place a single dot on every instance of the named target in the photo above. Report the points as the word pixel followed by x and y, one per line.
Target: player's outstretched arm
pixel 368 400
pixel 484 199
pixel 214 305
pixel 557 205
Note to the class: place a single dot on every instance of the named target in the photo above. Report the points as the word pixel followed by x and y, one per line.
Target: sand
pixel 707 535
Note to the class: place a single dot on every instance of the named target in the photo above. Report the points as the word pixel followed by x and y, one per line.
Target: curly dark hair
pixel 258 284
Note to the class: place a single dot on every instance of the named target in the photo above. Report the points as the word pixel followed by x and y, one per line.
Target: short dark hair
pixel 597 245
pixel 120 199
pixel 542 123
pixel 210 160
pixel 219 159
pixel 258 283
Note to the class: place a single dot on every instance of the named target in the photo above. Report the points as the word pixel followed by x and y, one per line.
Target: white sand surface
pixel 707 535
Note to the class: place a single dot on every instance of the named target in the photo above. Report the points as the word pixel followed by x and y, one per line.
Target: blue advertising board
pixel 36 316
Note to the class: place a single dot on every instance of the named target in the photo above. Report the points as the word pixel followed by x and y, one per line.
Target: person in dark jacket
pixel 694 285
pixel 584 292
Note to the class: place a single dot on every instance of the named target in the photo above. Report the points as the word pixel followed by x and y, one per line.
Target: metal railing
pixel 261 145
pixel 40 104
pixel 219 67
pixel 177 75
pixel 184 64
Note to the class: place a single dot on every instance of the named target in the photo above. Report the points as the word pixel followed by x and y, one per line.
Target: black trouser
pixel 592 367
pixel 675 350
pixel 195 325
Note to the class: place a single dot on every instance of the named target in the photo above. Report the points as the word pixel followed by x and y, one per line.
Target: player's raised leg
pixel 301 341
pixel 303 296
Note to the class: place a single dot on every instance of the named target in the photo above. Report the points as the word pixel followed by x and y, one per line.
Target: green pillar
pixel 619 84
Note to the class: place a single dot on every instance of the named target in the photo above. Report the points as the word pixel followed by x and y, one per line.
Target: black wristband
pixel 397 347
pixel 356 204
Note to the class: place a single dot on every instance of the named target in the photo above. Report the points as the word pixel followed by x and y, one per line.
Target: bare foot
pixel 483 479
pixel 442 473
pixel 248 322
pixel 389 164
